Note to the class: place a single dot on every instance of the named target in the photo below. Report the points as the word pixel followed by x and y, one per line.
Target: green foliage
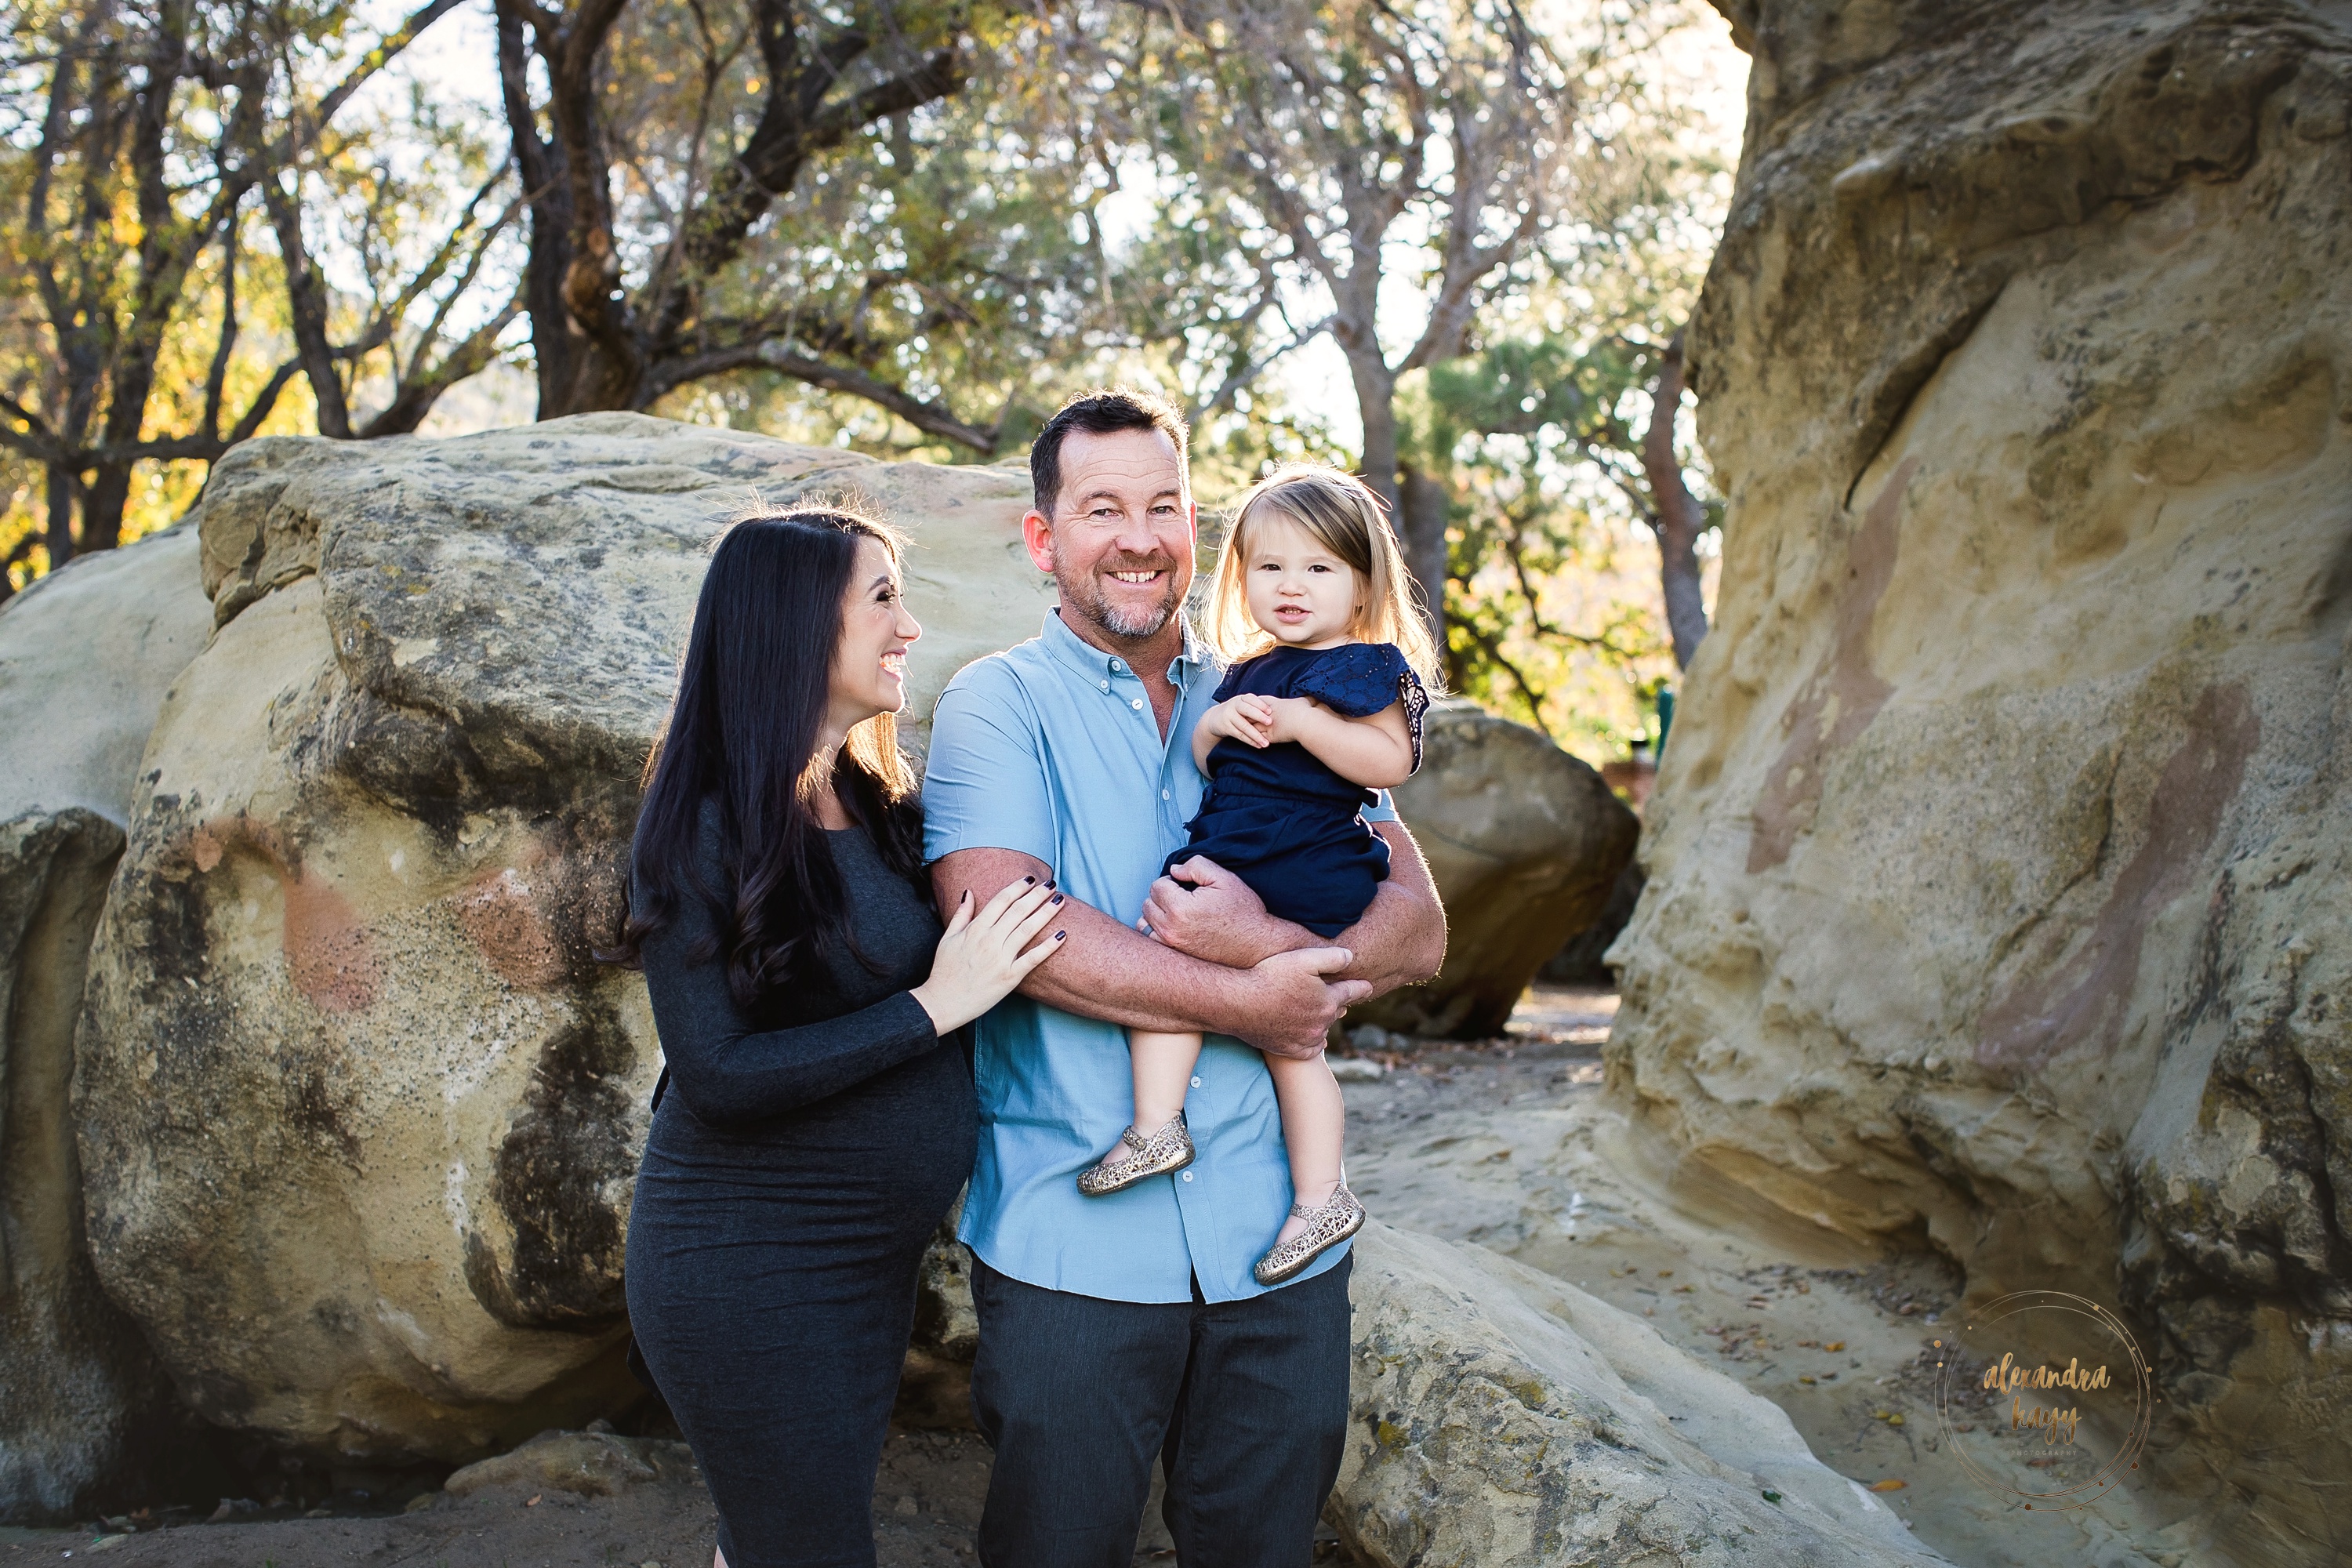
pixel 1551 607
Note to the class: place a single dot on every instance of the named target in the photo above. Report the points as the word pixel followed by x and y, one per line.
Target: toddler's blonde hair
pixel 1340 511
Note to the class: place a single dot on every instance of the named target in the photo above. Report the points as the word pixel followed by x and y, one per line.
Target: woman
pixel 815 1117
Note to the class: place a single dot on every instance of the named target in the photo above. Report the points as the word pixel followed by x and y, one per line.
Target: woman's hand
pixel 984 957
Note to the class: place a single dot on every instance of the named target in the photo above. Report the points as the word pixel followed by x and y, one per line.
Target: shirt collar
pixel 1082 656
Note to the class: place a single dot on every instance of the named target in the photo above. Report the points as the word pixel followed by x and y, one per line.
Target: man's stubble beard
pixel 1088 599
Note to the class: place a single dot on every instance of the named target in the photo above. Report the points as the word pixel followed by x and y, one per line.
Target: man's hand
pixel 1294 1006
pixel 1218 918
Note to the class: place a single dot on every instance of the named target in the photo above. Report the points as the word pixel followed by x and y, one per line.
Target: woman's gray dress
pixel 790 1184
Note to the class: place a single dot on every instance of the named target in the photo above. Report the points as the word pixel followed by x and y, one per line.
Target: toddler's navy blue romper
pixel 1279 819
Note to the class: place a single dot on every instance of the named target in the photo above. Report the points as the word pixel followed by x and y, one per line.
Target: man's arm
pixel 1399 941
pixel 1282 1003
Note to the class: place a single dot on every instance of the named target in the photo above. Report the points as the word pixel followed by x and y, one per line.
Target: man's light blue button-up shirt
pixel 1051 748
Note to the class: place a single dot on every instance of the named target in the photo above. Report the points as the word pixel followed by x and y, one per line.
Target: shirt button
pixel 1105 685
pixel 1188 1175
pixel 1196 1083
pixel 1136 703
pixel 1163 794
pixel 1116 664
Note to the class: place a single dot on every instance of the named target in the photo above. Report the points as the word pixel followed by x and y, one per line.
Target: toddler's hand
pixel 1247 719
pixel 1286 717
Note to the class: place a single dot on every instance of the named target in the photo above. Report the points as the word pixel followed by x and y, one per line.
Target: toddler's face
pixel 1300 593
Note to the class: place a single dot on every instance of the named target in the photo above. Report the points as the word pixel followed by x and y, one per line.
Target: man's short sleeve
pixel 984 783
pixel 1383 812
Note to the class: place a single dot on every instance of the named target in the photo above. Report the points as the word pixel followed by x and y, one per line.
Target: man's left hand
pixel 1217 918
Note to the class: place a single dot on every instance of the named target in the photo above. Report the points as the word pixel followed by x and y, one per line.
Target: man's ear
pixel 1038 535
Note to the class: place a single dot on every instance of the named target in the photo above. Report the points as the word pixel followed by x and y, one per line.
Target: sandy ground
pixel 1505 1145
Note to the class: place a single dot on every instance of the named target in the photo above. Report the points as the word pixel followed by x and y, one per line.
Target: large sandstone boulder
pixel 1525 842
pixel 359 1112
pixel 359 1108
pixel 85 657
pixel 1501 1418
pixel 1998 867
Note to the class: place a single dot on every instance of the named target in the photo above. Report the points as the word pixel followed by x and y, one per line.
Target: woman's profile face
pixel 869 666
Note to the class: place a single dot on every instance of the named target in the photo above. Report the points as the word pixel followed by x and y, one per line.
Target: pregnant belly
pixel 889 1154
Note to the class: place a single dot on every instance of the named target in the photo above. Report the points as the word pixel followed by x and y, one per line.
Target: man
pixel 1112 1329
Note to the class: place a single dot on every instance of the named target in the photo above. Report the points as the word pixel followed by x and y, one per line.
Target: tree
pixel 148 137
pixel 1355 145
pixel 431 290
pixel 1551 446
pixel 635 291
pixel 1674 513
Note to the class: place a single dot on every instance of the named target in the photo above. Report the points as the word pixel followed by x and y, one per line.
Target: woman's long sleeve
pixel 728 1073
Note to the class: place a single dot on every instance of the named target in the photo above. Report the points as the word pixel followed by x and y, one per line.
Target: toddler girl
pixel 1322 710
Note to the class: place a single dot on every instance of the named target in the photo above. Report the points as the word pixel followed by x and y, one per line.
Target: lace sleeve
pixel 1364 679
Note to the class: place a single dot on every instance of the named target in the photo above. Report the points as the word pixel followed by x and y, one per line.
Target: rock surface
pixel 1584 960
pixel 85 657
pixel 590 1464
pixel 1502 1417
pixel 1525 842
pixel 1998 867
pixel 359 1110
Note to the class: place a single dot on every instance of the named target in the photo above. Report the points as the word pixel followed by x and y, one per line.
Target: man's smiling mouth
pixel 1137 576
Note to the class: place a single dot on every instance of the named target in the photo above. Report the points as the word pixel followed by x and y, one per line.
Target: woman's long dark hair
pixel 743 734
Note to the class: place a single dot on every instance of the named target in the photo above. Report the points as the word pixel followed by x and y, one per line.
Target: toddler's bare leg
pixel 1314 1126
pixel 1162 1065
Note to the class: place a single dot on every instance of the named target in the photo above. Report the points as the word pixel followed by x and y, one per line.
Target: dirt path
pixel 1493 1143
pixel 927 1502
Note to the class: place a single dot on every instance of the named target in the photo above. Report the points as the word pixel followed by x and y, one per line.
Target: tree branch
pixel 1679 518
pixel 927 417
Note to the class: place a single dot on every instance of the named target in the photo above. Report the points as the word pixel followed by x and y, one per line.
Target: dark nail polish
pixel 1031 880
pixel 1057 897
pixel 1060 934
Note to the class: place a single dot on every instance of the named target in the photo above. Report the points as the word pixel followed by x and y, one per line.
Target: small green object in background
pixel 1666 720
pixel 1771 1496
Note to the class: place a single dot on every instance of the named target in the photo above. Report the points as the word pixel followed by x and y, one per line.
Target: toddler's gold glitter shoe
pixel 1168 1149
pixel 1340 1217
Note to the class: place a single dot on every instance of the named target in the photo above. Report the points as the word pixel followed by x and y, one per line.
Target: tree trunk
pixel 548 194
pixel 607 363
pixel 306 306
pixel 1416 502
pixel 1376 404
pixel 103 505
pixel 1679 516
pixel 1421 514
pixel 60 538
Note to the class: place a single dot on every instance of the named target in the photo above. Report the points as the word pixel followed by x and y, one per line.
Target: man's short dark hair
pixel 1100 411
